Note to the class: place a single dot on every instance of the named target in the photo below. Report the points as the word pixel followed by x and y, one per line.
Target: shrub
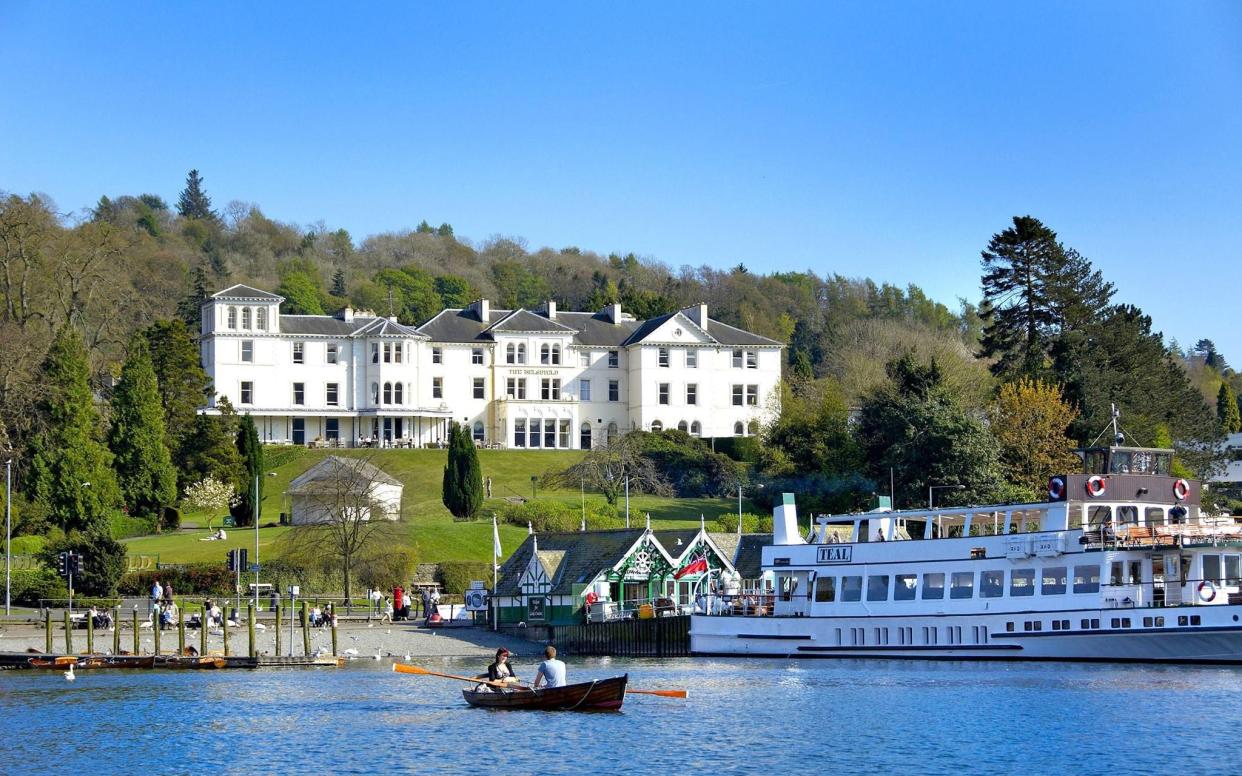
pixel 818 493
pixel 743 449
pixel 103 560
pixel 689 464
pixel 751 523
pixel 171 519
pixel 124 526
pixel 385 569
pixel 194 579
pixel 455 576
pixel 547 516
pixel 29 585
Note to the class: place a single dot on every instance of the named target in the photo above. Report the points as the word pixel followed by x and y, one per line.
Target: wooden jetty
pixel 12 661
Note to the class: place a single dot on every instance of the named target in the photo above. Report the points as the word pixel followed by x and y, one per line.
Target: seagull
pixel 260 626
pixel 351 652
pixel 389 631
pixel 69 674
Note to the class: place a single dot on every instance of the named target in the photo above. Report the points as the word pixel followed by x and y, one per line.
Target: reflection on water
pixel 743 716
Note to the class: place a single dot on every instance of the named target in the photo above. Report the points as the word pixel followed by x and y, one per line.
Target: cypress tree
pixel 183 385
pixel 1227 410
pixel 251 453
pixel 462 489
pixel 194 202
pixel 137 439
pixel 71 474
pixel 211 449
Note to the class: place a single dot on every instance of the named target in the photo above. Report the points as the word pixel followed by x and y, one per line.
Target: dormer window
pixel 232 317
pixel 245 318
pixel 261 319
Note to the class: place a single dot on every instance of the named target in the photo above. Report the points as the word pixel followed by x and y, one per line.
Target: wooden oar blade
pixel 661 693
pixel 406 668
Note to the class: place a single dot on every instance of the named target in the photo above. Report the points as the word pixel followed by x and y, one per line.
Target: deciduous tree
pixel 1030 419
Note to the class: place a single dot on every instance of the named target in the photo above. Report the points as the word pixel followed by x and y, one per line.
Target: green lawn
pixel 430 529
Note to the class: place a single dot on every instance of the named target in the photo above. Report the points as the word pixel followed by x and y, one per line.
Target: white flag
pixel 495 538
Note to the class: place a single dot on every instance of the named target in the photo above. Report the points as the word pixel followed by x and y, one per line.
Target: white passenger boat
pixel 1118 564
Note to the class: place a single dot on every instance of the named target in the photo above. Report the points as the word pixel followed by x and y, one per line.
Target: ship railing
pixel 1160 536
pixel 1191 592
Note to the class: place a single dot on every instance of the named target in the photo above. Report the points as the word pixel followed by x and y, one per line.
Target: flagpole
pixel 495 574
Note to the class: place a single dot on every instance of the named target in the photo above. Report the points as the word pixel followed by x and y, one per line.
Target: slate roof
pixel 720 332
pixel 585 555
pixel 463 325
pixel 319 477
pixel 458 325
pixel 596 329
pixel 749 558
pixel 1231 474
pixel 668 540
pixel 525 320
pixel 327 325
pixel 240 291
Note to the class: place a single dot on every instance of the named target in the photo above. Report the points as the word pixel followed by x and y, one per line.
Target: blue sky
pixel 887 142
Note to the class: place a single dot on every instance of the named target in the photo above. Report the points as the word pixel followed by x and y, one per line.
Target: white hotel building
pixel 515 378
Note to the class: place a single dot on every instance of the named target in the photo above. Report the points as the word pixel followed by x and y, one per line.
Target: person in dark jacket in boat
pixel 501 671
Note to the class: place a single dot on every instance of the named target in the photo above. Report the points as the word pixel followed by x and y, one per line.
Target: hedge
pixel 547 516
pixel 744 449
pixel 456 576
pixel 125 526
pixel 29 585
pixel 195 579
pixel 751 523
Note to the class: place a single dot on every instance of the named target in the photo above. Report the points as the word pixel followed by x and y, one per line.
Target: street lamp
pixel 739 499
pixel 931 488
pixel 8 532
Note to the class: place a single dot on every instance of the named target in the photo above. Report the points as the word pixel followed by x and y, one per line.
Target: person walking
pixel 157 595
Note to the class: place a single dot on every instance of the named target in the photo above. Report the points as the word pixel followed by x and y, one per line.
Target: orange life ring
pixel 1096 486
pixel 1181 490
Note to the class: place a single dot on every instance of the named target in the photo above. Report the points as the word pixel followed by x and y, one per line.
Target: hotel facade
pixel 524 379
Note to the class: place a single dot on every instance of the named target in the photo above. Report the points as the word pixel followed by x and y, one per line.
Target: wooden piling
pixel 116 632
pixel 155 631
pixel 250 627
pixel 334 652
pixel 180 631
pixel 90 634
pixel 226 636
pixel 47 621
pixel 202 632
pixel 305 630
pixel 278 608
pixel 68 634
pixel 137 643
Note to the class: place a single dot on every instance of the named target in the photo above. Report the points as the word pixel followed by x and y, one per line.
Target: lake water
pixel 742 716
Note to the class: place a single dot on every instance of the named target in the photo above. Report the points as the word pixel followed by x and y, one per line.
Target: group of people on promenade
pixel 163 610
pixel 403 605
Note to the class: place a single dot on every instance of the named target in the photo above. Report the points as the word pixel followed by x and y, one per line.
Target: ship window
pixel 1159 622
pixel 933 586
pixel 1233 570
pixel 1211 569
pixel 1085 625
pixel 877 587
pixel 991 584
pixel 1115 572
pixel 962 584
pixel 851 588
pixel 904 587
pixel 1136 572
pixel 1087 579
pixel 1147 621
pixel 1127 514
pixel 1022 582
pixel 1155 515
pixel 1098 516
pixel 825 590
pixel 1053 581
pixel 1009 627
pixel 1056 625
pixel 1181 621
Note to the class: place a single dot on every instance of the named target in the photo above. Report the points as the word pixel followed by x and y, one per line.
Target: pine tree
pixel 251 453
pixel 339 289
pixel 71 474
pixel 210 449
pixel 190 308
pixel 1227 410
pixel 462 489
pixel 183 385
pixel 137 438
pixel 1017 314
pixel 194 202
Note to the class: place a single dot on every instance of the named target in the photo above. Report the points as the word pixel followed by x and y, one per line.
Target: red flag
pixel 694 567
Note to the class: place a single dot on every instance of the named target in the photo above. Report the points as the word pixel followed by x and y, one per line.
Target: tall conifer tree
pixel 251 453
pixel 137 439
pixel 194 202
pixel 1227 410
pixel 462 489
pixel 183 384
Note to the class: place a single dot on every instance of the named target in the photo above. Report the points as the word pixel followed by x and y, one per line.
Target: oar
pixel 661 693
pixel 406 668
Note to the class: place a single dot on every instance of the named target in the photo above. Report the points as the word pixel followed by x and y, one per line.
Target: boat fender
pixel 1207 591
pixel 1181 489
pixel 1096 486
pixel 1056 488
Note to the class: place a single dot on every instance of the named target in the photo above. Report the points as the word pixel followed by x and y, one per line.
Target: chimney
pixel 698 314
pixel 785 522
pixel 483 309
pixel 613 312
pixel 347 315
pixel 551 310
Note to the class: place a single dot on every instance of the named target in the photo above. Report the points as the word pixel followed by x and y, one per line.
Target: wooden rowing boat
pixel 599 695
pixel 175 661
pixel 62 662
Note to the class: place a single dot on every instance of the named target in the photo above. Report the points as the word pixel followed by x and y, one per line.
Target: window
pixel 299 353
pixel 232 317
pixel 692 393
pixel 584 358
pixel 1022 582
pixel 478 431
pixel 696 429
pixel 374 352
pixel 825 590
pixel 261 318
pixel 545 354
pixel 398 391
pixel 549 432
pixel 550 389
pixel 584 390
pixel 739 429
pixel 332 428
pixel 247 392
pixel 375 393
pixel 614 359
pixel 1053 581
pixel 1233 570
pixel 877 587
pixel 247 351
pixel 692 359
pixel 388 393
pixel 563 433
pixel 663 357
pixel 752 395
pixel 299 393
pixel 614 390
pixel 245 318
pixel 991 584
pixel 612 431
pixel 663 393
pixel 752 359
pixel 515 388
pixel 962 584
pixel 388 353
pixel 905 587
pixel 851 588
pixel 437 387
pixel 1087 579
pixel 397 349
pixel 437 356
pixel 478 387
pixel 584 437
pixel 476 355
pixel 332 394
pixel 738 392
pixel 1211 569
pixel 519 432
pixel 511 355
pixel 737 359
pixel 933 586
pixel 556 354
pixel 521 354
pixel 331 354
pixel 656 426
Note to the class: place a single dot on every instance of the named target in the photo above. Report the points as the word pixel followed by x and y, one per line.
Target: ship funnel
pixel 785 522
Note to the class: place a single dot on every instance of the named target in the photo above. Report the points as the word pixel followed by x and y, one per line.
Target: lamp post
pixel 931 488
pixel 582 491
pixel 8 532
